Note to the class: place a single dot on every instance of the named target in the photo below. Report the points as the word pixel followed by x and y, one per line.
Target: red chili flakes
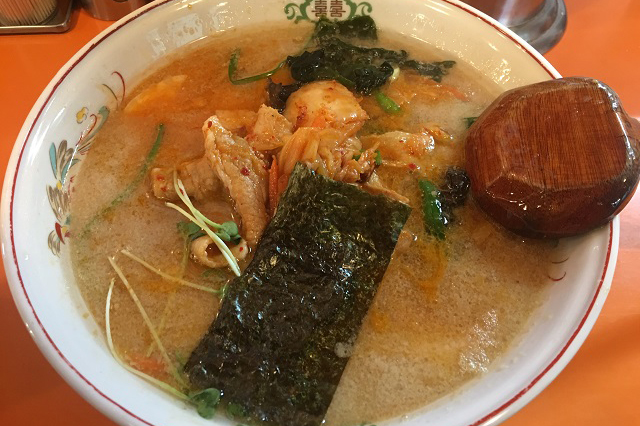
pixel 160 178
pixel 163 189
pixel 245 171
pixel 302 115
pixel 412 166
pixel 240 249
pixel 209 123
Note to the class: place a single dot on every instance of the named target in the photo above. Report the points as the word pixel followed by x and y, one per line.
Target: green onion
pixel 433 217
pixel 233 67
pixel 386 103
pixel 378 158
pixel 126 193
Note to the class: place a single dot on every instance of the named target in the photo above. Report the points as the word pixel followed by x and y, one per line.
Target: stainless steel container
pixel 26 12
pixel 111 10
pixel 539 22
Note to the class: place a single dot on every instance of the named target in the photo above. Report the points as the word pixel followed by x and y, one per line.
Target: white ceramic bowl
pixel 76 102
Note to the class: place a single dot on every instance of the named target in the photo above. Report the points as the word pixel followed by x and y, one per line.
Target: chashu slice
pixel 242 172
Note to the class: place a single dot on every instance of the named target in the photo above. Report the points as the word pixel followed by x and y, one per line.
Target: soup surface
pixel 445 310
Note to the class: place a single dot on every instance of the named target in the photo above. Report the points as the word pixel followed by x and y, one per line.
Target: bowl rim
pixel 120 413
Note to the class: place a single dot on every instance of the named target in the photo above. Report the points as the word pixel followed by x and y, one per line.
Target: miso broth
pixel 444 312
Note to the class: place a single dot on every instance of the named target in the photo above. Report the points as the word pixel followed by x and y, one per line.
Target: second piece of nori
pixel 277 347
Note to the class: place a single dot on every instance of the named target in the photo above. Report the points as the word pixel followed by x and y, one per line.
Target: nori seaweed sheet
pixel 272 348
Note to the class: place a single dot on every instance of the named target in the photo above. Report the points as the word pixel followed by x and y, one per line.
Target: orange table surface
pixel 600 386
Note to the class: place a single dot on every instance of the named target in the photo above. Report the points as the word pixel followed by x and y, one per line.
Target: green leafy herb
pixel 435 70
pixel 378 158
pixel 362 69
pixel 227 231
pixel 363 27
pixel 324 27
pixel 233 67
pixel 470 121
pixel 206 402
pixel 133 185
pixel 438 203
pixel 230 227
pixel 359 69
pixel 386 103
pixel 236 411
pixel 203 223
pixel 433 216
pixel 190 231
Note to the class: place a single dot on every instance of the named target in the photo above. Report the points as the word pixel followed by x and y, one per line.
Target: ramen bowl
pixel 59 129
